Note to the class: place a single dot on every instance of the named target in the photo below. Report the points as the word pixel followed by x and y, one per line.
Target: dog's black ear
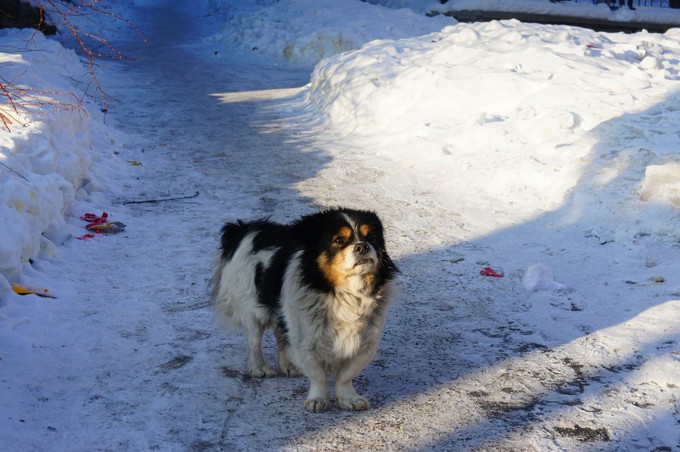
pixel 388 267
pixel 306 228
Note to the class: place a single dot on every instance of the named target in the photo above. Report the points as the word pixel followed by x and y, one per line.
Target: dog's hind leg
pixel 256 364
pixel 285 365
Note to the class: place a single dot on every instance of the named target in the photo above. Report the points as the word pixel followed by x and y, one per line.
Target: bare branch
pixel 91 46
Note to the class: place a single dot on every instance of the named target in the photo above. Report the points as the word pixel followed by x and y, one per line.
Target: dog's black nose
pixel 361 248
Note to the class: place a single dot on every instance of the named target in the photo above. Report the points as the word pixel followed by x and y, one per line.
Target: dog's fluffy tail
pixel 222 302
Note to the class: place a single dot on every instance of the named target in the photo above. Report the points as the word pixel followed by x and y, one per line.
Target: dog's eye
pixel 370 237
pixel 339 240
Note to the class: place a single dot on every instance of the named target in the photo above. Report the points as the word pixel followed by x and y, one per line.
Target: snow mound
pixel 305 31
pixel 436 78
pixel 555 106
pixel 47 155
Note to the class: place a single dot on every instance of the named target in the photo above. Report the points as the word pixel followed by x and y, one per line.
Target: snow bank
pixel 48 155
pixel 305 31
pixel 554 106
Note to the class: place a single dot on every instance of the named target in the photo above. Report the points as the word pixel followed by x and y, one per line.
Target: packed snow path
pixel 135 362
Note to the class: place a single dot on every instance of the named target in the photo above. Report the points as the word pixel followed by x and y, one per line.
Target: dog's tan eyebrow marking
pixel 345 232
pixel 365 229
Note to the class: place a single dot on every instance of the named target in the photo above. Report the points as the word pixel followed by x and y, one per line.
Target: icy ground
pixel 546 153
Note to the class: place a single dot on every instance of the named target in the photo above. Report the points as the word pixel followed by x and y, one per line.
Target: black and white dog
pixel 323 283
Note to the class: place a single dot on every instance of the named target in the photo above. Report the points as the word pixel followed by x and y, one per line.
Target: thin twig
pixel 83 39
pixel 15 172
pixel 19 98
pixel 153 201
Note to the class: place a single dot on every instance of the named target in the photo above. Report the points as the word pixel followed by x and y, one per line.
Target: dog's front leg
pixel 347 397
pixel 319 397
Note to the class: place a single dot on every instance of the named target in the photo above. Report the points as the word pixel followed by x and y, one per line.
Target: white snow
pixel 539 277
pixel 305 31
pixel 549 153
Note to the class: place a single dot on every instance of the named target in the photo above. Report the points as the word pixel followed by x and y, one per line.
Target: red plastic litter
pixel 95 219
pixel 100 225
pixel 488 271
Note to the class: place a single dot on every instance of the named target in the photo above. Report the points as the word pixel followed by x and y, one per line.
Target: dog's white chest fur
pixel 347 321
pixel 334 326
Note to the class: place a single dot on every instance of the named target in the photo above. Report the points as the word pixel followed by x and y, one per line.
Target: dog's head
pixel 344 249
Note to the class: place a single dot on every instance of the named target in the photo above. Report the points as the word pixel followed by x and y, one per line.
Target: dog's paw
pixel 291 371
pixel 357 403
pixel 262 371
pixel 317 405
